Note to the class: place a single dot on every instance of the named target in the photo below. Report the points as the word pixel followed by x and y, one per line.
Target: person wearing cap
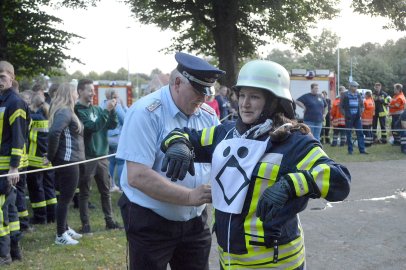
pixel 165 221
pixel 265 168
pixel 352 106
pixel 13 129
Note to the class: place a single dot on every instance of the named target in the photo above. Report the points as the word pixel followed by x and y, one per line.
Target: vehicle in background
pixel 123 89
pixel 301 79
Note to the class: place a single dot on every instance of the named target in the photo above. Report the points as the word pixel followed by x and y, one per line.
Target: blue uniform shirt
pixel 147 122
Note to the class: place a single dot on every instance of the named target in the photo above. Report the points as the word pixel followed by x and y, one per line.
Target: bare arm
pixel 156 186
pixel 300 104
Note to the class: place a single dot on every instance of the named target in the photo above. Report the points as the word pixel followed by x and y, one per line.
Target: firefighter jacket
pixel 65 143
pixel 337 118
pixel 397 104
pixel 244 241
pixel 38 139
pixel 381 102
pixel 14 122
pixel 369 111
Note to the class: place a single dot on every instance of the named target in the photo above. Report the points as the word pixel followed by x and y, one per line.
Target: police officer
pixel 13 129
pixel 165 221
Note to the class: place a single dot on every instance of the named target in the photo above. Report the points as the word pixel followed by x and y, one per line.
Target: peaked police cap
pixel 200 73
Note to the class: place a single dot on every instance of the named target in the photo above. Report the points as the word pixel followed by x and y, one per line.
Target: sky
pixel 113 39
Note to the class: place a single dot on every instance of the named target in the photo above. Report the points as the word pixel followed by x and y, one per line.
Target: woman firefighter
pixel 265 167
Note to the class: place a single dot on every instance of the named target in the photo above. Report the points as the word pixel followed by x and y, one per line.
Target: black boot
pixel 15 250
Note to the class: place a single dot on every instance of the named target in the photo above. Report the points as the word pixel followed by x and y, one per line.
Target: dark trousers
pixel 354 121
pixel 382 124
pixel 325 132
pixel 403 141
pixel 41 189
pixel 21 202
pixel 369 139
pixel 339 132
pixel 155 242
pixel 99 170
pixel 67 178
pixel 9 223
pixel 395 125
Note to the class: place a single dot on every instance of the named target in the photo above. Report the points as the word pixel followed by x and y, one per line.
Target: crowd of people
pixel 178 149
pixel 42 130
pixel 356 111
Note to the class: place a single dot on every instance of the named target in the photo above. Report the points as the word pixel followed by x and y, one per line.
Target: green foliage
pixel 395 10
pixel 30 40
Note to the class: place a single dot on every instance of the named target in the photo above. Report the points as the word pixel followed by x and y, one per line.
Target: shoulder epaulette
pixel 207 108
pixel 154 105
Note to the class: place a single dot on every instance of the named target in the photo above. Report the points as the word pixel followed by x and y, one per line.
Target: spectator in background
pixel 315 109
pixel 381 99
pixel 27 96
pixel 396 108
pixel 65 145
pixel 212 102
pixel 41 185
pixel 16 86
pixel 224 103
pixel 338 120
pixel 367 118
pixel 352 106
pixel 96 122
pixel 233 106
pixel 113 137
pixel 403 133
pixel 52 90
pixel 325 133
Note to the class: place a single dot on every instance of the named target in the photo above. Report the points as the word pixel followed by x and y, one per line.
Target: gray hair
pixel 176 74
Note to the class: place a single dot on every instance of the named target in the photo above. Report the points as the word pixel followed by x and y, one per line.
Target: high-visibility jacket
pixel 244 240
pixel 381 102
pixel 397 104
pixel 337 118
pixel 369 111
pixel 38 139
pixel 14 122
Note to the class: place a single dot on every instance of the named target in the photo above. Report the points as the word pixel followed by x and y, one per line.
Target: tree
pixel 395 10
pixel 29 38
pixel 233 30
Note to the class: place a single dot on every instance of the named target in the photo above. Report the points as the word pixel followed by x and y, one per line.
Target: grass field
pixel 107 249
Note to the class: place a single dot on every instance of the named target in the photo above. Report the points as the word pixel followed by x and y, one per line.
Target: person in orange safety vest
pixel 396 108
pixel 338 120
pixel 367 117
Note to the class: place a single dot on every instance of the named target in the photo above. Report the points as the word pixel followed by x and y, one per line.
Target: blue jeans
pixel 113 163
pixel 354 122
pixel 315 128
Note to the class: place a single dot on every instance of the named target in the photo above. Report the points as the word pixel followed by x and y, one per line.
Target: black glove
pixel 178 161
pixel 273 199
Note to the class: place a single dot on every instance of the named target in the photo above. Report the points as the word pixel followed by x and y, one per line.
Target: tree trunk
pixel 226 39
pixel 3 33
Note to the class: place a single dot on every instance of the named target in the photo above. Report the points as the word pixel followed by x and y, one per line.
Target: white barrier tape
pixel 59 166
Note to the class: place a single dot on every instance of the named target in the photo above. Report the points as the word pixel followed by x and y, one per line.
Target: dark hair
pixel 313 85
pixel 279 134
pixel 82 83
pixel 38 87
